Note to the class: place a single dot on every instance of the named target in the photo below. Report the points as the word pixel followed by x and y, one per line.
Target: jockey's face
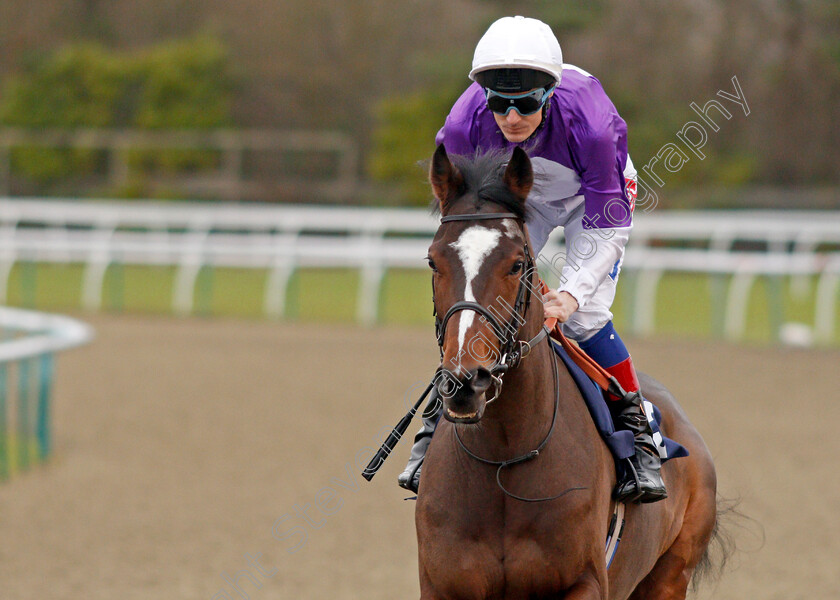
pixel 517 128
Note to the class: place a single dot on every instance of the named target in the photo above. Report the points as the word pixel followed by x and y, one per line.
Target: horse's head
pixel 483 274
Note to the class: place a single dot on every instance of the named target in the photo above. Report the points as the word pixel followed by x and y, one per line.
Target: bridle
pixel 512 349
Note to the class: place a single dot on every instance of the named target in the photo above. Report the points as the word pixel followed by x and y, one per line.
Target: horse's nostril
pixel 481 380
pixel 447 384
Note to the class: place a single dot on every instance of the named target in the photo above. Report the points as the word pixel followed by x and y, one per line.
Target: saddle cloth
pixel 620 443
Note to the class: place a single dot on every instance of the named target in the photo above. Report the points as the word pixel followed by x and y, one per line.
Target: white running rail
pixel 43 334
pixel 741 245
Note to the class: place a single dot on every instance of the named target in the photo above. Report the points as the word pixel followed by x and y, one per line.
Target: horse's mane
pixel 482 174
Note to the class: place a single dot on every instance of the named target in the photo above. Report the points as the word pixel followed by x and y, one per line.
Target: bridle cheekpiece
pixel 512 349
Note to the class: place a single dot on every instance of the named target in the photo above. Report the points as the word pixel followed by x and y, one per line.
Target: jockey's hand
pixel 559 304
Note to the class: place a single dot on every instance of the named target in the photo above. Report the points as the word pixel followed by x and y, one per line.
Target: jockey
pixel 524 95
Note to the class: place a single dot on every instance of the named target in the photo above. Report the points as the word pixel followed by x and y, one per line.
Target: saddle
pixel 593 391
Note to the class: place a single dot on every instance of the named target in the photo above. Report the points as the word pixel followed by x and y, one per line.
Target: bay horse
pixel 515 495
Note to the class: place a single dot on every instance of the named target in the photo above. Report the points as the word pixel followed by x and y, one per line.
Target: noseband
pixel 512 350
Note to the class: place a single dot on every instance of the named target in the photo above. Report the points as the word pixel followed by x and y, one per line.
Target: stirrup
pixel 642 482
pixel 629 494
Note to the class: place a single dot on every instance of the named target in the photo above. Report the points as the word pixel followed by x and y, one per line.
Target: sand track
pixel 183 445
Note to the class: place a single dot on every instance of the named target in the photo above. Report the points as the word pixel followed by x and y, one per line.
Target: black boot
pixel 410 477
pixel 641 481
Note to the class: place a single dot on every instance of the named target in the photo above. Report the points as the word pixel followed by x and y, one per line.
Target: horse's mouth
pixel 465 417
pixel 461 418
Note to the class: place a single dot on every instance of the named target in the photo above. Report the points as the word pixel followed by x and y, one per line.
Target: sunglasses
pixel 525 104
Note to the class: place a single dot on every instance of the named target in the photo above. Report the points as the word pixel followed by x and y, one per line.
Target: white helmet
pixel 518 43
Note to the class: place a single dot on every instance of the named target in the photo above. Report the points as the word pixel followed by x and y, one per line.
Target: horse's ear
pixel 519 175
pixel 445 177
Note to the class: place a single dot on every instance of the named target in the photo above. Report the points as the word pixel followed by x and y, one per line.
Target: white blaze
pixel 473 246
pixel 511 228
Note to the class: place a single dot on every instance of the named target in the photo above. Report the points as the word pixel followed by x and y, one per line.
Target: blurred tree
pixel 799 137
pixel 405 135
pixel 177 85
pixel 182 84
pixel 566 17
pixel 76 86
pixel 345 66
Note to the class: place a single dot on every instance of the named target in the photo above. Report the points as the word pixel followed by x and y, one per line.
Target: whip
pixel 394 437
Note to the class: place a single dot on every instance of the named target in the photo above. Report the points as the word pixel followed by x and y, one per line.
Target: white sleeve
pixel 591 255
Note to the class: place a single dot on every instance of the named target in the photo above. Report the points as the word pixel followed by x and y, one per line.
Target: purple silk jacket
pixel 580 161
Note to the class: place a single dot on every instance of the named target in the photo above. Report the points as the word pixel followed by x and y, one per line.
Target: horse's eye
pixel 432 264
pixel 517 267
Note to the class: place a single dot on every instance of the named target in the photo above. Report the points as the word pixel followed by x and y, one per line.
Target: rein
pixel 602 378
pixel 512 352
pixel 501 464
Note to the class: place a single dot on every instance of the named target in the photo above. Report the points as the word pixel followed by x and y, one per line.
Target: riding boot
pixel 642 480
pixel 410 477
pixel 639 476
